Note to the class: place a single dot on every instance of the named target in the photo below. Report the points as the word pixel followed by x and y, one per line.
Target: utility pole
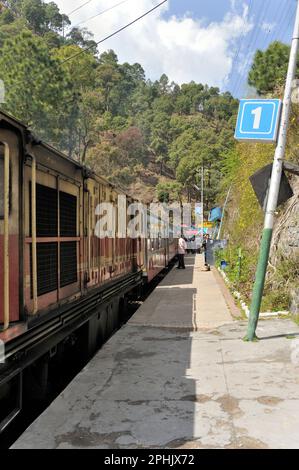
pixel 274 189
pixel 223 212
pixel 202 200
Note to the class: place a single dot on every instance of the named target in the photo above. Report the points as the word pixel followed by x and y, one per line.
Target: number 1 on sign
pixel 257 117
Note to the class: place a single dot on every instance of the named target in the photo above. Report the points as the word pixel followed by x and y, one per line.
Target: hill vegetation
pixel 151 137
pixel 134 131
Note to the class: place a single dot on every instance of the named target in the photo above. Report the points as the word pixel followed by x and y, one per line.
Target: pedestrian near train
pixel 181 253
pixel 205 246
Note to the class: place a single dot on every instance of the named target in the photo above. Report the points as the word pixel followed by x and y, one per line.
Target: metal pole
pixel 33 234
pixel 202 201
pixel 274 189
pixel 223 212
pixel 239 265
pixel 6 273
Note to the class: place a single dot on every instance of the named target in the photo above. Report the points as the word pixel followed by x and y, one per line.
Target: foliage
pixel 40 17
pixel 269 68
pixel 169 192
pixel 34 82
pixel 105 113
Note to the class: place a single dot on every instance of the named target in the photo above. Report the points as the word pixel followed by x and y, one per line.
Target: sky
pixel 209 41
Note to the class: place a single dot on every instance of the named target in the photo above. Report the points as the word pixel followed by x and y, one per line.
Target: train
pixel 61 286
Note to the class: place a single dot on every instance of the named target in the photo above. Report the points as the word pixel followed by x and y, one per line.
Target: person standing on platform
pixel 181 253
pixel 206 247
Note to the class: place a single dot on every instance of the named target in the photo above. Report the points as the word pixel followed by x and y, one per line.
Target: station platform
pixel 178 375
pixel 188 299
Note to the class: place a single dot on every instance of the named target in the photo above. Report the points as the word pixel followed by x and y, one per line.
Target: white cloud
pixel 184 48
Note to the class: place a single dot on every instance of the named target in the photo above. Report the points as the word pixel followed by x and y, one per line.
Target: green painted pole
pixel 239 265
pixel 274 189
pixel 258 289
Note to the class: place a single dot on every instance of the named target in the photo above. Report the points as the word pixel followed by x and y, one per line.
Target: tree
pixel 163 85
pixel 40 17
pixel 169 192
pixel 81 101
pixel 108 76
pixel 83 38
pixel 43 17
pixel 33 80
pixel 54 20
pixel 190 97
pixel 160 138
pixel 269 68
pixel 131 143
pixel 10 30
pixel 6 15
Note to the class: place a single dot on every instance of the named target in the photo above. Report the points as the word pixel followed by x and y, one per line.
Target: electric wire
pixel 252 44
pixel 285 16
pixel 114 33
pixel 258 14
pixel 236 56
pixel 79 8
pixel 101 13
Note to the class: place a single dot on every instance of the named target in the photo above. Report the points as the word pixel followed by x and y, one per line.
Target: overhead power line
pixel 101 13
pixel 237 53
pixel 115 32
pixel 252 44
pixel 281 13
pixel 78 8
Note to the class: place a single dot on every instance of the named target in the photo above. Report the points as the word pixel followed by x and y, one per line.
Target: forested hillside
pixel 151 137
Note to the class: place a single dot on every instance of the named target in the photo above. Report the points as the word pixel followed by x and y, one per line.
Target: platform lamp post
pixel 201 110
pixel 201 190
pixel 274 189
pixel 202 199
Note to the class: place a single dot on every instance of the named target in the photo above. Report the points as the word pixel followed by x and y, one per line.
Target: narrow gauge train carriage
pixel 61 287
pixel 161 247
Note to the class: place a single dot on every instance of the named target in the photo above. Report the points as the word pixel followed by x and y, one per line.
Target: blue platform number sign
pixel 258 120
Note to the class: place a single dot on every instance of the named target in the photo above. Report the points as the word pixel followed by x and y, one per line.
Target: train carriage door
pixel 9 232
pixel 102 241
pixel 95 239
pixel 86 232
pixel 113 239
pixel 91 234
pixel 91 248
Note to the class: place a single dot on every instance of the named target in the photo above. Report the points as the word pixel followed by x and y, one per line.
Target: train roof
pixel 29 136
pixel 4 116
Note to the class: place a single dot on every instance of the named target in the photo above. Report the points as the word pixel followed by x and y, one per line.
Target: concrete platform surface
pixel 189 299
pixel 178 375
pixel 159 388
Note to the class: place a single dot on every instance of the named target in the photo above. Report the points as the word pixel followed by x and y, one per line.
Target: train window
pixel 2 182
pixel 68 228
pixel 47 217
pixel 46 211
pixel 68 215
pixel 47 265
pixel 68 263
